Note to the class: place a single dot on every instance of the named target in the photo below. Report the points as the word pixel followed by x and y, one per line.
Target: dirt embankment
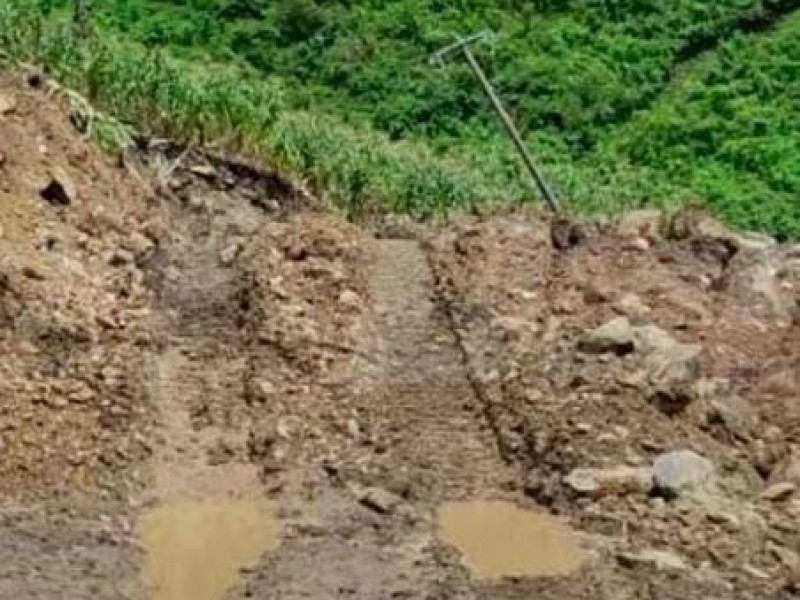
pixel 73 305
pixel 601 360
pixel 188 328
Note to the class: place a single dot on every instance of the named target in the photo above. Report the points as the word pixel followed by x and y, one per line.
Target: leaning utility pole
pixel 462 44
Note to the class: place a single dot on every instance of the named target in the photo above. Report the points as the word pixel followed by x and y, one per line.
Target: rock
pixel 58 188
pixel 645 223
pixel 638 244
pixel 692 223
pixel 632 306
pixel 353 428
pixel 204 171
pixel 260 443
pixel 649 339
pixel 682 473
pixel 596 292
pixel 261 391
pixel 8 104
pixel 659 559
pixel 788 469
pixel 377 499
pixel 727 519
pixel 752 571
pixel 515 329
pixel 671 374
pixel 733 415
pixel 140 244
pixel 761 282
pixel 297 252
pixel 786 556
pixel 755 242
pixel 350 300
pixel 711 228
pixel 195 203
pixel 779 491
pixel 615 481
pixel 287 427
pixel 230 253
pixel 616 336
pixel 766 457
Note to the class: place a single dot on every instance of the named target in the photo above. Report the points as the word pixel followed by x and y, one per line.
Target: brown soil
pixel 184 328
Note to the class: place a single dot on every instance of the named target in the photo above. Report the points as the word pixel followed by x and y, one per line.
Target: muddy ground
pixel 179 330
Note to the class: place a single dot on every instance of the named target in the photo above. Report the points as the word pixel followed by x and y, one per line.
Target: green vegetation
pixel 628 102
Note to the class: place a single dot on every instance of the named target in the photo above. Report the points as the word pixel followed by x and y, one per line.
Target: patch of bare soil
pixel 73 321
pixel 190 336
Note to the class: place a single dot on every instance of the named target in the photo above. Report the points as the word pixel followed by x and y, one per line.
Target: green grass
pixel 628 103
pixel 354 166
pixel 731 131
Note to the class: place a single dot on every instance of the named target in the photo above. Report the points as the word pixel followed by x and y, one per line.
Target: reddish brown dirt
pixel 186 327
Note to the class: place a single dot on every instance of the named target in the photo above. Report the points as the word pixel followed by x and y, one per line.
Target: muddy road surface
pixel 213 388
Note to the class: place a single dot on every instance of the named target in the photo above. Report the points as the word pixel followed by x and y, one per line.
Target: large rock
pixel 682 473
pixel 614 481
pixel 616 336
pixel 672 373
pixel 650 338
pixel 731 418
pixel 762 282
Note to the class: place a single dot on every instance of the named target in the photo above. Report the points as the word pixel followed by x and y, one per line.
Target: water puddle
pixel 499 539
pixel 196 549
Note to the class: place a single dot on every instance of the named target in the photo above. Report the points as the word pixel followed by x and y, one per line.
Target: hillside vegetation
pixel 628 103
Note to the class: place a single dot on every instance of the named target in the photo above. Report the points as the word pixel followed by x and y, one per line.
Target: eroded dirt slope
pixel 187 329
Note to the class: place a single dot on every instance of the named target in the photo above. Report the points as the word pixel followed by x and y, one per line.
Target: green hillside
pixel 629 102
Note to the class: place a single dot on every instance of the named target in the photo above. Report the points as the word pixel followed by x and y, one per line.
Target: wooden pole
pixel 536 173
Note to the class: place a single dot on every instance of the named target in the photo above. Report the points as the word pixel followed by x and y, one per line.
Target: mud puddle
pixel 499 539
pixel 195 550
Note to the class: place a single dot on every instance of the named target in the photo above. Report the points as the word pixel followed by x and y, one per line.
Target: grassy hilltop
pixel 628 102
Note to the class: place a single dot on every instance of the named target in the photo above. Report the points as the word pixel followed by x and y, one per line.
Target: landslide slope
pixel 184 328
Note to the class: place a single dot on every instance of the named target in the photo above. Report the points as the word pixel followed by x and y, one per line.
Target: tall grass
pixel 357 169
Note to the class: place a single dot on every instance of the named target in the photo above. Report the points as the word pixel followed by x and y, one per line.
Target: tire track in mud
pixel 206 518
pixel 485 386
pixel 422 383
pixel 429 443
pixel 196 381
